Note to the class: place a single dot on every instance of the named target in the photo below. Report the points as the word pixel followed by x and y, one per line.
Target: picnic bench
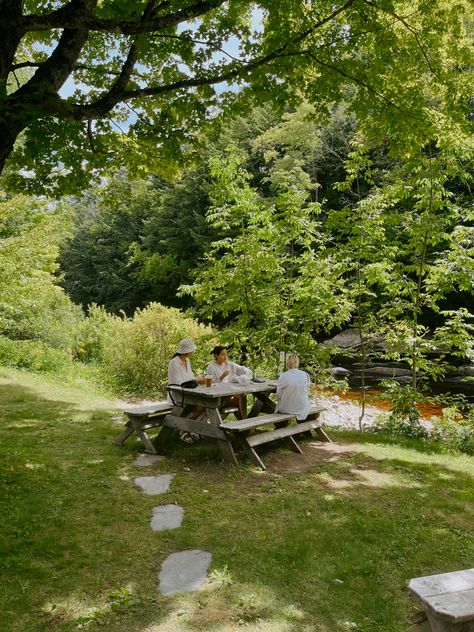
pixel 210 424
pixel 142 418
pixel 447 599
pixel 242 431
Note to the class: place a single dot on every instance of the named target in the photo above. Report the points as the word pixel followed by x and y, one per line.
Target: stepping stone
pixel 185 571
pixel 143 460
pixel 167 517
pixel 153 485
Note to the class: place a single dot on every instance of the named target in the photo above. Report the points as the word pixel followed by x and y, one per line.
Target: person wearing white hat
pixel 180 371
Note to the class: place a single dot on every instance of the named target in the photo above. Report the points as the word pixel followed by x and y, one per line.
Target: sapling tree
pixel 260 280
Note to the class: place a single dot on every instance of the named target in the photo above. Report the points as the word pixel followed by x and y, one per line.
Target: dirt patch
pixel 314 453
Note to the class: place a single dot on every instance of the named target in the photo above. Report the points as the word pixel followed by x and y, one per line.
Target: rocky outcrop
pixel 346 357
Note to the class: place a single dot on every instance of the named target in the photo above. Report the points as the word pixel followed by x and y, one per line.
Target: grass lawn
pixel 324 541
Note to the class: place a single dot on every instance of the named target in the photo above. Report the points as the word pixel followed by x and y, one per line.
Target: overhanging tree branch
pixel 68 18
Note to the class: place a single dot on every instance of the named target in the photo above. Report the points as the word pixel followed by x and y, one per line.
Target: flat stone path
pixel 167 517
pixel 185 571
pixel 154 485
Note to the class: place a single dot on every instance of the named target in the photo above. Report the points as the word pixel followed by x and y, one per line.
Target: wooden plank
pixel 314 410
pixel 456 607
pixel 224 389
pixel 124 435
pixel 254 422
pixel 447 597
pixel 224 444
pixel 149 409
pixel 195 426
pixel 281 433
pixel 443 583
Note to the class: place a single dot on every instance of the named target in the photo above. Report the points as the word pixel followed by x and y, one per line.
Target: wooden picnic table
pixel 448 600
pixel 210 423
pixel 212 399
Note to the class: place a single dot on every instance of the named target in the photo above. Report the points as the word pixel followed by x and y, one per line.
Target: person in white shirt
pixel 293 390
pixel 223 370
pixel 179 371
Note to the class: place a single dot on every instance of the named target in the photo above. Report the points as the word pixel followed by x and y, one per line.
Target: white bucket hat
pixel 186 346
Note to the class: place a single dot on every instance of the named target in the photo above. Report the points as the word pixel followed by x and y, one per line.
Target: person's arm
pixel 242 370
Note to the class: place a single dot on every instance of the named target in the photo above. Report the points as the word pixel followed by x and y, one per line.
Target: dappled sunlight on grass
pixel 321 542
pixel 230 607
pixel 367 477
pixel 84 612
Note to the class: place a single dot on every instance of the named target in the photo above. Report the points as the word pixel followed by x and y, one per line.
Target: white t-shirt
pixel 216 370
pixel 177 373
pixel 293 393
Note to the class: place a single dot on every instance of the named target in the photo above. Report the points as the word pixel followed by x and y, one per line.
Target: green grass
pixel 323 542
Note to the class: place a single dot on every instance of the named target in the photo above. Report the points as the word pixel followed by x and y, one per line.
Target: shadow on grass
pixel 323 541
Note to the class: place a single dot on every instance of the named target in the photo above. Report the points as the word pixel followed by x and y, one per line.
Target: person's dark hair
pixel 217 349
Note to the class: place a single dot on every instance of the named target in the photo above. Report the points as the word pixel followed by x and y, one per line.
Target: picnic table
pixel 447 599
pixel 210 424
pixel 212 399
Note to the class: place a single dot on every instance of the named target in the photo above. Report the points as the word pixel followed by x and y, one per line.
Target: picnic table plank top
pixel 148 409
pixel 450 595
pixel 227 389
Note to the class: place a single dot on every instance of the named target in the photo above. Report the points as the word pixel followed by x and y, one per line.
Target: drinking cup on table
pixel 208 379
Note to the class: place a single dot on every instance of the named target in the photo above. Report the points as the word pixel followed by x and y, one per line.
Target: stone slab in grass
pixel 154 485
pixel 185 571
pixel 143 460
pixel 167 517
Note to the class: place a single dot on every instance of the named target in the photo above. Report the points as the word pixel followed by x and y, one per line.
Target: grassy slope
pixel 77 551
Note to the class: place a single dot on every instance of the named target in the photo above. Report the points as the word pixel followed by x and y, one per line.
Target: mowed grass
pixel 324 541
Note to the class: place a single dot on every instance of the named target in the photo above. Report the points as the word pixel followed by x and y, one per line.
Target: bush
pixel 33 355
pixel 404 418
pixel 454 430
pixel 95 334
pixel 136 360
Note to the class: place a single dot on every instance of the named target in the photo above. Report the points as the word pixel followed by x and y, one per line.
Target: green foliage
pixel 95 334
pixel 402 67
pixel 404 418
pixel 31 303
pixel 34 355
pixel 98 260
pixel 454 430
pixel 137 355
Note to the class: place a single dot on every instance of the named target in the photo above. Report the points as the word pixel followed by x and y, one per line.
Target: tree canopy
pixel 86 84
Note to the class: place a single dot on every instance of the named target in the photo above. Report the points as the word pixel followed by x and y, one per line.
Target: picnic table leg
pixel 124 435
pixel 262 404
pixel 252 454
pixel 137 422
pixel 165 432
pixel 294 445
pixel 322 435
pixel 225 445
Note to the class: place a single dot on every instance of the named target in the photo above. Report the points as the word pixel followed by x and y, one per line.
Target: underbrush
pixel 452 431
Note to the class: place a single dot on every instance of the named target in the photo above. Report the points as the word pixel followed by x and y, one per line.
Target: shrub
pixel 136 360
pixel 33 355
pixel 454 430
pixel 404 418
pixel 95 334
